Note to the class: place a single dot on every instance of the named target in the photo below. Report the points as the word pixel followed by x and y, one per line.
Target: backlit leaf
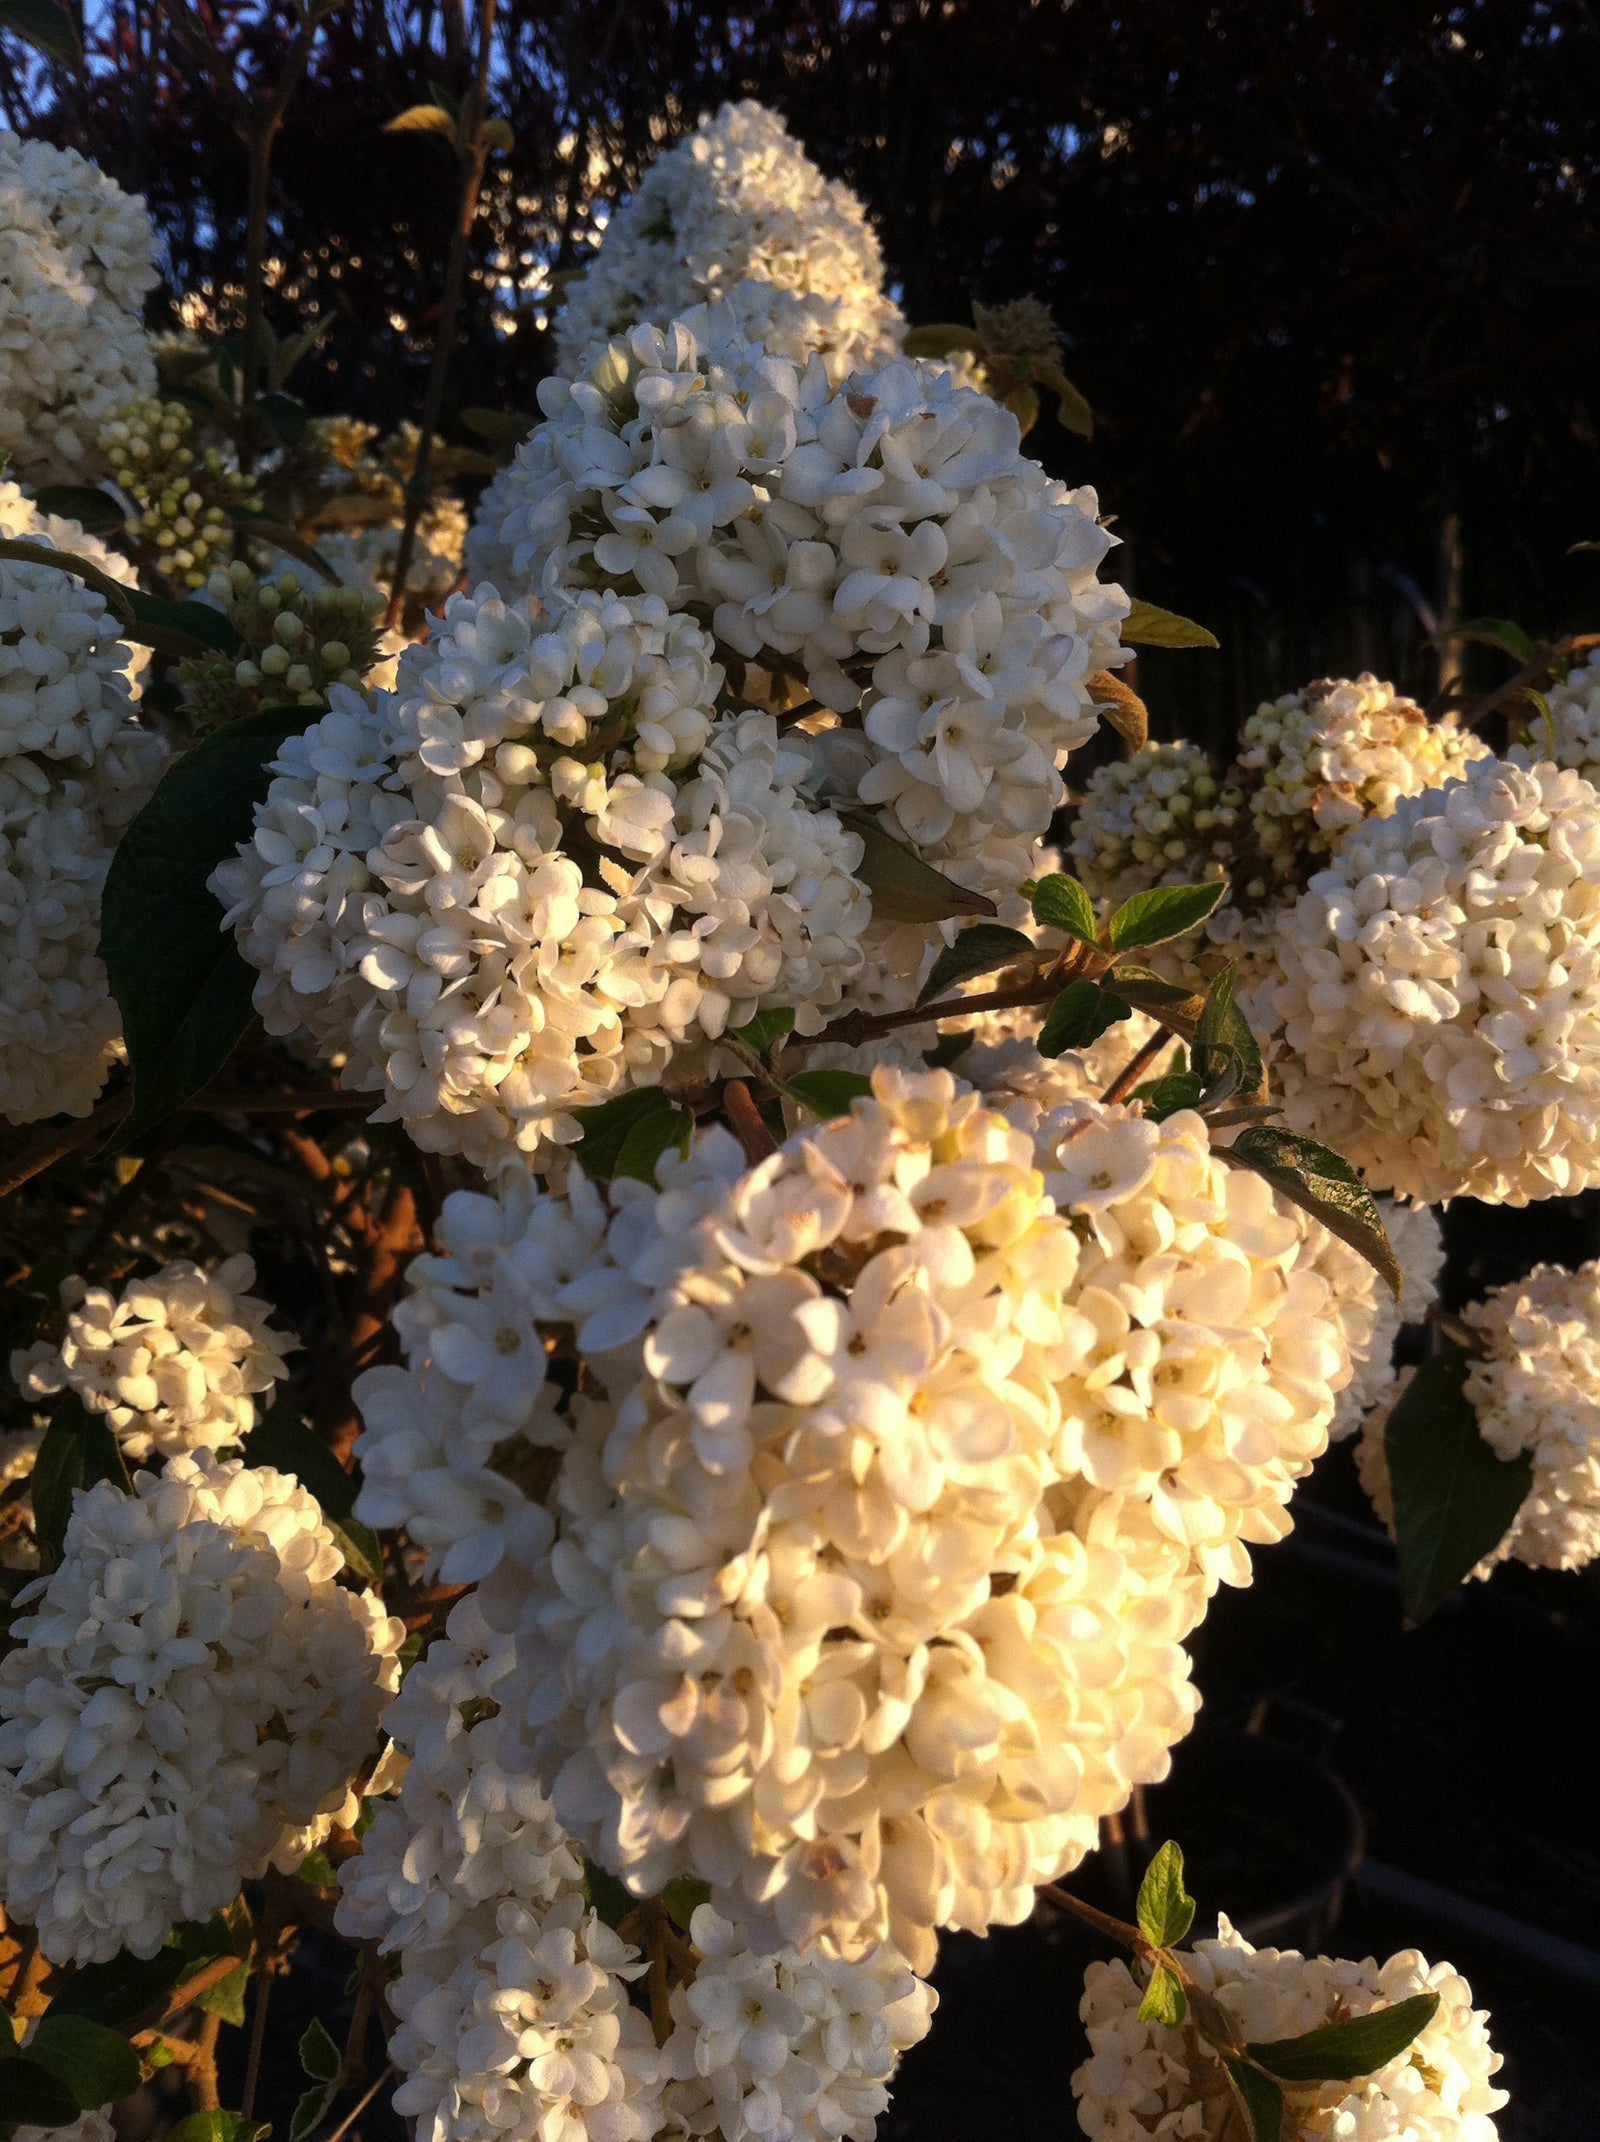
pixel 1454 1499
pixel 978 950
pixel 1324 1184
pixel 1343 2052
pixel 1147 625
pixel 903 887
pixel 1079 1016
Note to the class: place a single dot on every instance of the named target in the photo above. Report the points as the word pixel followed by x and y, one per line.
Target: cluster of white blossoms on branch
pixel 738 208
pixel 188 1700
pixel 76 261
pixel 176 1362
pixel 1432 1005
pixel 540 868
pixel 1573 737
pixel 908 1459
pixel 1163 817
pixel 1535 1389
pixel 75 768
pixel 1147 2079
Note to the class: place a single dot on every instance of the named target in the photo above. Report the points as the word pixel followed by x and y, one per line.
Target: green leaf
pixel 311 2110
pixel 31 2096
pixel 948 1050
pixel 121 1992
pixel 1072 407
pixel 650 1137
pixel 1258 2098
pixel 283 1441
pixel 97 2065
pixel 1454 1500
pixel 50 30
pixel 1165 912
pixel 1165 1909
pixel 941 339
pixel 317 1872
pixel 319 2056
pixel 180 983
pixel 765 1028
pixel 682 1897
pixel 978 950
pixel 903 887
pixel 93 509
pixel 1079 1016
pixel 1225 1052
pixel 605 1128
pixel 1175 1007
pixel 1343 2052
pixel 1146 625
pixel 1502 632
pixel 180 628
pixel 217 2127
pixel 1061 903
pixel 359 1546
pixel 278 534
pixel 223 1934
pixel 285 417
pixel 79 1448
pixel 1163 1097
pixel 1325 1185
pixel 423 119
pixel 1163 1999
pixel 501 427
pixel 827 1093
pixel 604 1894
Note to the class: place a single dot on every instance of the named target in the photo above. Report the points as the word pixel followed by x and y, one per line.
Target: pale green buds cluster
pixel 1163 817
pixel 299 643
pixel 185 501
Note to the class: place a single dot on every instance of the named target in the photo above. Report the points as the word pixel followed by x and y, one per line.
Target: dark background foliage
pixel 1329 269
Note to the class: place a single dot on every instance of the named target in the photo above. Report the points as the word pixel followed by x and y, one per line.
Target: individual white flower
pixel 925 1442
pixel 188 1701
pixel 737 207
pixel 1574 734
pixel 76 261
pixel 176 1362
pixel 538 870
pixel 1163 817
pixel 1536 1391
pixel 1432 1005
pixel 1146 2079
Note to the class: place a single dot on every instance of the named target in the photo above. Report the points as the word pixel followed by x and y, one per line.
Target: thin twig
pixel 258 2037
pixel 359 2107
pixel 744 1120
pixel 1117 1930
pixel 853 1027
pixel 1136 1066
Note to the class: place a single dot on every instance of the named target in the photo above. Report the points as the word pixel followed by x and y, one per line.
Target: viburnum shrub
pixel 639 1330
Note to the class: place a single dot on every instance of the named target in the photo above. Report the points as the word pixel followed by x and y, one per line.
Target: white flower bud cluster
pixel 366 557
pixel 539 869
pixel 738 206
pixel 886 540
pixel 176 1362
pixel 1536 1392
pixel 1146 2079
pixel 184 503
pixel 188 1701
pixel 1432 1005
pixel 76 260
pixel 1163 817
pixel 1574 741
pixel 75 767
pixel 924 1443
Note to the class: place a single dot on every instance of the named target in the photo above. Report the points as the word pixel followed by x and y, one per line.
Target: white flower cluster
pixel 1536 1392
pixel 76 260
pixel 1163 817
pixel 1574 738
pixel 911 1458
pixel 886 540
pixel 175 1362
pixel 366 557
pixel 1369 1315
pixel 75 767
pixel 188 1701
pixel 738 207
pixel 1145 2079
pixel 1432 1006
pixel 540 868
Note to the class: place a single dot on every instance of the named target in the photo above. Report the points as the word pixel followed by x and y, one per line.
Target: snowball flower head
pixel 1163 817
pixel 176 1362
pixel 188 1700
pixel 1144 2079
pixel 1573 737
pixel 1536 1391
pixel 1432 1004
pixel 76 260
pixel 738 202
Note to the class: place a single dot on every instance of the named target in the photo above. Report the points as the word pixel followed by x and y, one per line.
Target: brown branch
pixel 744 1120
pixel 203 2063
pixel 856 1026
pixel 1117 1930
pixel 1133 1070
pixel 1554 658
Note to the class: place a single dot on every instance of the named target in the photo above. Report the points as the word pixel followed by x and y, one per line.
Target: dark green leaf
pixel 120 1992
pixel 903 887
pixel 1501 632
pixel 765 1028
pixel 1225 1052
pixel 180 628
pixel 1148 626
pixel 1165 1908
pixel 31 2096
pixel 319 2056
pixel 501 427
pixel 182 987
pixel 311 2110
pixel 92 509
pixel 657 1133
pixel 1176 1007
pixel 1163 1097
pixel 223 1934
pixel 285 418
pixel 604 1894
pixel 283 1441
pixel 78 1449
pixel 827 1093
pixel 50 30
pixel 317 1872
pixel 948 1050
pixel 96 2064
pixel 683 1896
pixel 1061 903
pixel 359 1546
pixel 979 950
pixel 1343 2052
pixel 282 537
pixel 1165 912
pixel 605 1128
pixel 1163 1999
pixel 1321 1183
pixel 1258 2098
pixel 1079 1016
pixel 1454 1500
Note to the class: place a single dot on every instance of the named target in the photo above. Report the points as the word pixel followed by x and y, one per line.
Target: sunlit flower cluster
pixel 1369 1315
pixel 540 868
pixel 1432 1007
pixel 188 1699
pixel 1573 738
pixel 176 1362
pixel 1146 2079
pixel 76 259
pixel 739 203
pixel 1163 817
pixel 183 502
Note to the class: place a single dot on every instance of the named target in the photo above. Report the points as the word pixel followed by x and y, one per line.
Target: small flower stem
pixel 744 1120
pixel 1136 1066
pixel 359 2107
pixel 258 2036
pixel 1117 1930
